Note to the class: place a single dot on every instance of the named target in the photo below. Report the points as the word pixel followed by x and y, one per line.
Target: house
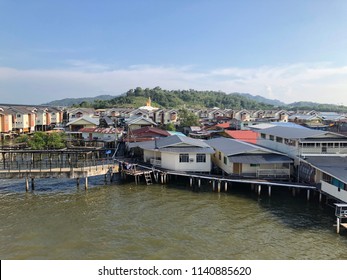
pixel 180 153
pixel 296 141
pixel 137 122
pixel 146 133
pixel 163 116
pixel 320 156
pixel 23 119
pixel 5 120
pixel 83 122
pixel 76 113
pixel 101 134
pixel 239 158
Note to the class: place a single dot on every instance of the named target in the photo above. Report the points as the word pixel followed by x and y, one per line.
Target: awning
pixel 259 159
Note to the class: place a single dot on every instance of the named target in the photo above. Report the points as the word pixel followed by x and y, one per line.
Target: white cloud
pixel 298 82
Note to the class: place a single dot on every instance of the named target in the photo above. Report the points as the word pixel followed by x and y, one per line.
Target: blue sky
pixel 287 50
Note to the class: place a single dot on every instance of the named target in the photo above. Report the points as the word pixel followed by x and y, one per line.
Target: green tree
pixel 41 140
pixel 188 118
pixel 170 127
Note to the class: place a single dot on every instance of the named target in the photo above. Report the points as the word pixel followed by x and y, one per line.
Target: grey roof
pixel 292 132
pixel 175 143
pixel 88 119
pixel 231 147
pixel 335 166
pixel 258 159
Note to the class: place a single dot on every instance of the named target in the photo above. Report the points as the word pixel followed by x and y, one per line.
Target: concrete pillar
pixel 259 189
pixel 26 183
pixel 199 183
pixel 78 182
pixel 219 186
pixel 320 197
pixel 269 190
pixel 226 186
pixel 308 195
pixel 191 181
pixel 86 185
pixel 213 185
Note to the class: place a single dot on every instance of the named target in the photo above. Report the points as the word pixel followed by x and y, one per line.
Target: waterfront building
pixel 239 158
pixel 179 153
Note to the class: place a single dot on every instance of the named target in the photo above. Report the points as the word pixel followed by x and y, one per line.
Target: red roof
pixel 243 135
pixel 149 132
pixel 223 125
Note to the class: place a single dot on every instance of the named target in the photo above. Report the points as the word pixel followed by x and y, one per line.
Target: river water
pixel 125 221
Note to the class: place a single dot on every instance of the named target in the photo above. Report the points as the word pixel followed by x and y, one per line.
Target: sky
pixel 290 50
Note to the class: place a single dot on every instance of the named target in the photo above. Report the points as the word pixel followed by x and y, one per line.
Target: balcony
pixel 155 162
pixel 273 173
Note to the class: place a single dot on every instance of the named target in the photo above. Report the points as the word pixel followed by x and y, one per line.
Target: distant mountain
pixel 261 99
pixel 75 101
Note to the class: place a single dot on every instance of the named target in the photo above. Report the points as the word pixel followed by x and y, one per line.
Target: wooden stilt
pixel 219 186
pixel 308 195
pixel 191 181
pixel 320 197
pixel 86 185
pixel 33 183
pixel 78 182
pixel 199 183
pixel 269 190
pixel 213 185
pixel 259 189
pixel 225 186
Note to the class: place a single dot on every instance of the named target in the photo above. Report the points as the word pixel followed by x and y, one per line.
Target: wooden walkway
pixel 31 164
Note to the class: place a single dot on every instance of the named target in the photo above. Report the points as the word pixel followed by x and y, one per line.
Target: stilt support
pixel 308 195
pixel 33 183
pixel 213 185
pixel 86 185
pixel 219 186
pixel 26 183
pixel 269 190
pixel 259 189
pixel 225 186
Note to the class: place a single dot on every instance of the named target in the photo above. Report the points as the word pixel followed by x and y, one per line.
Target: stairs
pixel 148 178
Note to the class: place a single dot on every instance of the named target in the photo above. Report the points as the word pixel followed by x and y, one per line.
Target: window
pixel 262 136
pixel 18 116
pixel 279 139
pixel 184 157
pixel 272 138
pixel 200 158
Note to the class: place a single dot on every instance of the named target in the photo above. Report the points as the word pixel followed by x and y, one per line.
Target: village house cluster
pixel 308 146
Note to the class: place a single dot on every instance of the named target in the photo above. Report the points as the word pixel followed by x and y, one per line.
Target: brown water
pixel 59 221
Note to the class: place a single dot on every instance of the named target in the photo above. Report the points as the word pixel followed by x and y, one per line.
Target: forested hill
pixel 162 98
pixel 177 99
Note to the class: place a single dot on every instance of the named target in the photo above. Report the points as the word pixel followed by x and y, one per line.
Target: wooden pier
pixel 75 164
pixel 218 183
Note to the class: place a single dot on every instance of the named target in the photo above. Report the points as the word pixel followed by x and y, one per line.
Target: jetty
pixel 67 163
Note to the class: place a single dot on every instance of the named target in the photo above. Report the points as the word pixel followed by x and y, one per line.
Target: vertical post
pixel 33 183
pixel 259 189
pixel 308 195
pixel 213 185
pixel 191 181
pixel 219 186
pixel 27 183
pixel 320 197
pixel 78 182
pixel 86 185
pixel 338 225
pixel 293 192
pixel 225 186
pixel 269 190
pixel 199 183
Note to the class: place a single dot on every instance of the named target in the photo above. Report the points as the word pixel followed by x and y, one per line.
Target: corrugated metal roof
pixel 260 159
pixel 336 166
pixel 230 146
pixel 292 132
